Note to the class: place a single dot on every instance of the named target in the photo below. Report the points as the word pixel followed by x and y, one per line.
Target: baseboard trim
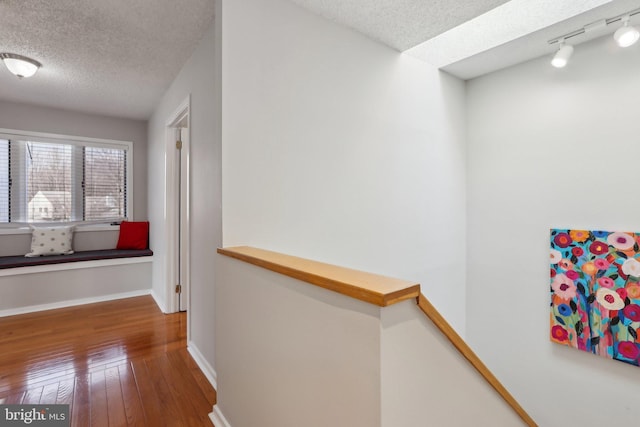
pixel 217 418
pixel 204 366
pixel 159 301
pixel 71 303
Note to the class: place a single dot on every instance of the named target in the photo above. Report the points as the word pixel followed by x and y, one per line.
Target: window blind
pixel 43 183
pixel 105 188
pixel 61 182
pixel 4 180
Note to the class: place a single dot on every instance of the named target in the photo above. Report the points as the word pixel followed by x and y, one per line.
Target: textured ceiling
pixel 117 57
pixel 401 24
pixel 109 57
pixel 510 21
pixel 469 38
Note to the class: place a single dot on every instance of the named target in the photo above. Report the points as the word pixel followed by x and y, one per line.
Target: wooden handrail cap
pixel 372 288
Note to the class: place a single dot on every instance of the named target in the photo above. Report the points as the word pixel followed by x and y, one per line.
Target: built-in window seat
pixel 86 276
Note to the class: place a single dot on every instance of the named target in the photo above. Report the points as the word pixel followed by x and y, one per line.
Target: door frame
pixel 180 114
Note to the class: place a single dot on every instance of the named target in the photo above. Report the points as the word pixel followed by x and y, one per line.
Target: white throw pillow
pixel 51 241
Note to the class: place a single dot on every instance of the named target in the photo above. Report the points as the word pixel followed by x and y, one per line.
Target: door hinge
pixel 178 289
pixel 179 145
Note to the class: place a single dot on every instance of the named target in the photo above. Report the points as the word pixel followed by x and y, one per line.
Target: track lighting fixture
pixel 626 35
pixel 561 58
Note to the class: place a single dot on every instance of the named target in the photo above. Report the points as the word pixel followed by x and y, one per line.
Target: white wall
pixel 339 149
pixel 200 78
pixel 28 289
pixel 52 120
pixel 549 148
pixel 290 354
pixel 426 381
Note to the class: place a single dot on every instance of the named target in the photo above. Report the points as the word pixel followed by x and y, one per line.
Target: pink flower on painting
pixel 563 287
pixel 622 292
pixel 631 267
pixel 556 256
pixel 577 251
pixel 565 264
pixel 632 311
pixel 621 241
pixel 553 273
pixel 562 240
pixel 628 349
pixel 606 282
pixel 573 275
pixel 558 333
pixel 601 264
pixel 609 299
pixel 598 248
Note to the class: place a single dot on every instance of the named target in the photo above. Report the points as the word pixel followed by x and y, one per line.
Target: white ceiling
pixel 117 57
pixel 109 57
pixel 509 44
pixel 500 26
pixel 469 38
pixel 400 24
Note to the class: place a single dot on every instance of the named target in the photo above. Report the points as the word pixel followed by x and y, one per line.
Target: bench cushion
pixel 21 261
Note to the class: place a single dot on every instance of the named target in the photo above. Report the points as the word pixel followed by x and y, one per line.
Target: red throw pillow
pixel 133 235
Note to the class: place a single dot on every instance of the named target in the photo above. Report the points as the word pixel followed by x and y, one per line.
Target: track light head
pixel 561 58
pixel 626 35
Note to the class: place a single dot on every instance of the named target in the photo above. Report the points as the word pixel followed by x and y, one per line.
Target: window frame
pixel 127 146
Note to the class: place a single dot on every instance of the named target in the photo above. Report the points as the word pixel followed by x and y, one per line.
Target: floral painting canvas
pixel 595 292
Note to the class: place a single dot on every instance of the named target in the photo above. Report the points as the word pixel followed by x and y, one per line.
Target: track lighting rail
pixel 597 24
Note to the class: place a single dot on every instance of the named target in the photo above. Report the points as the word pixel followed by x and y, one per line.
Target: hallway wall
pixel 197 79
pixel 340 149
pixel 549 148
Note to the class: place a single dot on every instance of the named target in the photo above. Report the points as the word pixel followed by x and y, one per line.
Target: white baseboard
pixel 217 418
pixel 71 303
pixel 204 366
pixel 159 301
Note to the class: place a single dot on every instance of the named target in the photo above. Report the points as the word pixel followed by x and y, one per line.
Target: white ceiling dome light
pixel 20 65
pixel 626 35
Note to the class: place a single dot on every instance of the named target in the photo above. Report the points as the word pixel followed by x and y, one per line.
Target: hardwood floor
pixel 116 363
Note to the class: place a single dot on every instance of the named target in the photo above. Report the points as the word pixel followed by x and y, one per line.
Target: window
pixel 57 179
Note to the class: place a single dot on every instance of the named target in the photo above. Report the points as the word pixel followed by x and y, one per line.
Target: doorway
pixel 177 210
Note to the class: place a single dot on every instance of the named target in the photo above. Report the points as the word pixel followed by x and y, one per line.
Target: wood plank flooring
pixel 116 363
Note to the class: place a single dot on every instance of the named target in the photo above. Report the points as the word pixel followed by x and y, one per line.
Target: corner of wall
pixel 159 301
pixel 203 364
